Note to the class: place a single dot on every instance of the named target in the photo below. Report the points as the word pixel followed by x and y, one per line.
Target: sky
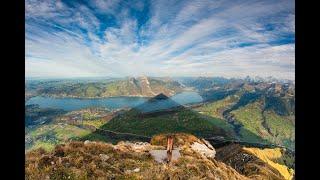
pixel 116 38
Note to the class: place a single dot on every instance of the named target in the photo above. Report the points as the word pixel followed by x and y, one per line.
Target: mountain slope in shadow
pixel 161 114
pixel 146 120
pixel 158 103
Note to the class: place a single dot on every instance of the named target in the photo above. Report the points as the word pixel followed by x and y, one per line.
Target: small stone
pixel 128 171
pixel 86 142
pixel 104 157
pixel 52 162
pixel 136 170
pixel 67 164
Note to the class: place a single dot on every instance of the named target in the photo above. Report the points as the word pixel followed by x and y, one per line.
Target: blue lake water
pixel 70 104
pixel 188 97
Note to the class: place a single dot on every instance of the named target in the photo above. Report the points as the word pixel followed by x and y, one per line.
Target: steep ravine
pixel 231 120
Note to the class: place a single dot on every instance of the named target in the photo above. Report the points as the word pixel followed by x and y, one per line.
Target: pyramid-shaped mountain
pixel 158 103
pixel 161 114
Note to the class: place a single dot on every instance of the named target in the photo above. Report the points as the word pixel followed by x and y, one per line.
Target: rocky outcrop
pixel 203 150
pixel 145 86
pixel 197 159
pixel 125 160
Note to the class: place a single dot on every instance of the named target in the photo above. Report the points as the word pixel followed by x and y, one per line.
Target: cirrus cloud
pixel 160 38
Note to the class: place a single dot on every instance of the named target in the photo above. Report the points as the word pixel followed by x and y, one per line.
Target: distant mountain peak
pixel 159 102
pixel 160 96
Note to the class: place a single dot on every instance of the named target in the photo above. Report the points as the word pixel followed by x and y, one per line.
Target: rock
pixel 104 157
pixel 86 142
pixel 207 143
pixel 67 164
pixel 136 170
pixel 161 155
pixel 127 171
pixel 136 146
pixel 203 149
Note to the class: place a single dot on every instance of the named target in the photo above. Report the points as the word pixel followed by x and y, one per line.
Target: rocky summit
pixel 195 159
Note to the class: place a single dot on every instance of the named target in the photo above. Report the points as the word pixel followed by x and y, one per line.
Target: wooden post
pixel 169 148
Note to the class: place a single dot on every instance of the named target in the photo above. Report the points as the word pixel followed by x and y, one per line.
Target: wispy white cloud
pixel 174 38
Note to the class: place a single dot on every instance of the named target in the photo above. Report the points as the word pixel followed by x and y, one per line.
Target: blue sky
pixel 229 38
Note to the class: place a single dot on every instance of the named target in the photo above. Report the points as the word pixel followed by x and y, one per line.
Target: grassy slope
pixel 116 88
pixel 257 163
pixel 61 129
pixel 47 136
pixel 215 109
pixel 182 121
pixel 96 123
pixel 273 157
pixel 282 129
pixel 250 116
pixel 78 161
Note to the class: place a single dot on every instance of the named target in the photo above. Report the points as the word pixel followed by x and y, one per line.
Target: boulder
pixel 86 142
pixel 203 149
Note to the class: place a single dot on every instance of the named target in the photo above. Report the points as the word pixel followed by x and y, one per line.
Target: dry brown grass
pixel 255 163
pixel 179 139
pixel 76 160
pixel 270 156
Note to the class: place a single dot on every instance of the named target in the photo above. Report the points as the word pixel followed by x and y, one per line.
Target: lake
pixel 71 104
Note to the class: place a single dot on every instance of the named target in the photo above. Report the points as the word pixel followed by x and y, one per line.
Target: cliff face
pixel 127 160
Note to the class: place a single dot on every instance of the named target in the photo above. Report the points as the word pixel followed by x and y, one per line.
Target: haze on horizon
pixel 115 38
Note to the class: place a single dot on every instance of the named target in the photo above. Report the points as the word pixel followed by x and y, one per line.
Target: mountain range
pixel 131 86
pixel 250 123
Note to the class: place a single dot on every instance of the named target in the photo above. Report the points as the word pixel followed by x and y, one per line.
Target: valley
pixel 235 109
pixel 250 114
